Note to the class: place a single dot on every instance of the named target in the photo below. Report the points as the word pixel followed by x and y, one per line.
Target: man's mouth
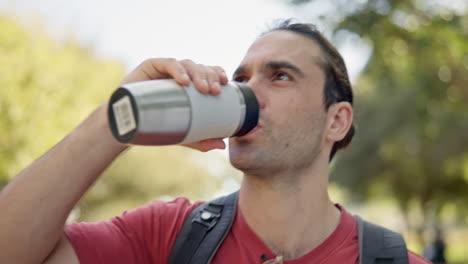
pixel 251 132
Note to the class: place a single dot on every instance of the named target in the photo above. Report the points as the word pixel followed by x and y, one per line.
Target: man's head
pixel 305 96
pixel 337 86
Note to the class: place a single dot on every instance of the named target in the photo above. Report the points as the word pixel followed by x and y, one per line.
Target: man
pixel 284 211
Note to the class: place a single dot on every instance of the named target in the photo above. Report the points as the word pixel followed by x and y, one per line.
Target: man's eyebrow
pixel 275 65
pixel 272 65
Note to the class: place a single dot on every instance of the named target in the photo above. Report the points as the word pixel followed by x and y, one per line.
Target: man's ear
pixel 339 121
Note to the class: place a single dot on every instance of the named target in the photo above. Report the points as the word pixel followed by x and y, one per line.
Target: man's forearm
pixel 35 205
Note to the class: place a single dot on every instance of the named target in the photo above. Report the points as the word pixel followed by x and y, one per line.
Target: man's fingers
pixel 210 144
pixel 178 72
pixel 158 68
pixel 213 81
pixel 167 67
pixel 197 75
pixel 207 145
pixel 223 79
pixel 207 79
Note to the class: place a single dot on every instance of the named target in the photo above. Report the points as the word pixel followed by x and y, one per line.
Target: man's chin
pixel 240 157
pixel 244 157
pixel 250 168
pixel 245 167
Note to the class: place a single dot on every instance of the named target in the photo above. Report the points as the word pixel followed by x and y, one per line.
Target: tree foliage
pixel 411 104
pixel 47 87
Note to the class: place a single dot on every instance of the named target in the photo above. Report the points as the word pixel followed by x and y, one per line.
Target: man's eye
pixel 241 79
pixel 282 76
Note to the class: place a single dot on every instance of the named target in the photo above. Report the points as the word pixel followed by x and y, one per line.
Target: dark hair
pixel 337 87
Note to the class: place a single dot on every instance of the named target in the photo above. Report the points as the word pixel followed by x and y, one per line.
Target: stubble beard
pixel 276 156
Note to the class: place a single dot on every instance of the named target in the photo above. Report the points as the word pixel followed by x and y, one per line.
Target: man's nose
pixel 258 89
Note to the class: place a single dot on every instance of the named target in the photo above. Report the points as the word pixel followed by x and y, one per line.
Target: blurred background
pixel 406 169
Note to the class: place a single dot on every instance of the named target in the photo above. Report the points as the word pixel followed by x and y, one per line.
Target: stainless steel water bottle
pixel 163 112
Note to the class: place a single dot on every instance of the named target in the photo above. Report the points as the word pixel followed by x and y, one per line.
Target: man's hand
pixel 207 80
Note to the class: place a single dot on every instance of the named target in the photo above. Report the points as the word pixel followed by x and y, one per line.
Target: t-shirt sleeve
pixel 416 259
pixel 142 235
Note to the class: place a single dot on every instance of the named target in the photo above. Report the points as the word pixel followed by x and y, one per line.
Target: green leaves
pixel 412 119
pixel 47 88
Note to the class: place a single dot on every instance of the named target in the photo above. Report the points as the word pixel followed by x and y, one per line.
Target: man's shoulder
pixel 156 223
pixel 413 257
pixel 165 206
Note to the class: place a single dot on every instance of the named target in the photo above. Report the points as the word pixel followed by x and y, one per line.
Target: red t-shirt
pixel 146 235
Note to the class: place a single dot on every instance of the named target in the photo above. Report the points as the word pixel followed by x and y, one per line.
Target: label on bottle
pixel 123 114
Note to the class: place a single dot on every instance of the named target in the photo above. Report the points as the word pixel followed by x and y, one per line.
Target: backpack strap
pixel 378 245
pixel 193 244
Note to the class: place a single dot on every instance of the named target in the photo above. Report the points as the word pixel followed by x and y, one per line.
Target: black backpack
pixel 206 227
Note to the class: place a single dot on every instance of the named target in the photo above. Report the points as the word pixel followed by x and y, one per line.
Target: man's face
pixel 282 69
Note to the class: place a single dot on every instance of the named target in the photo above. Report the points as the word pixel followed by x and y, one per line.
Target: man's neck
pixel 291 215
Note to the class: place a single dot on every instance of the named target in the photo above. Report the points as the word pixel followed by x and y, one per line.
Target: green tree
pixel 411 110
pixel 47 87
